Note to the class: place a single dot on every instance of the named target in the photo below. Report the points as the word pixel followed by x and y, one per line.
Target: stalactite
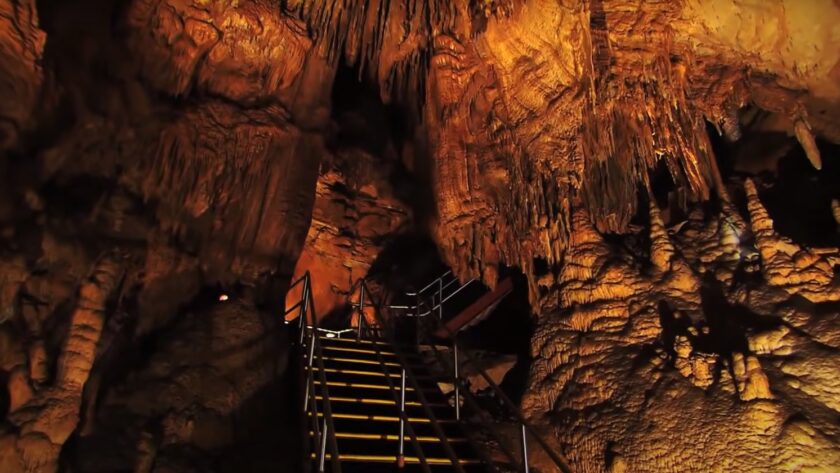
pixel 370 35
pixel 808 142
pixel 631 125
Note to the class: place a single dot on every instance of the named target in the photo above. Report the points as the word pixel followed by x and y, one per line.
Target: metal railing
pixel 359 308
pixel 436 302
pixel 428 300
pixel 324 433
pixel 406 375
pixel 437 292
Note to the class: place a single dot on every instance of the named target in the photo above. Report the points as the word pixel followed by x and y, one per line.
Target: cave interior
pixel 636 202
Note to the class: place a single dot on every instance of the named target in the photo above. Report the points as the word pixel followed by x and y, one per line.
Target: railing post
pixel 440 298
pixel 303 306
pixel 361 311
pixel 323 455
pixel 401 456
pixel 417 320
pixel 525 466
pixel 457 382
pixel 309 370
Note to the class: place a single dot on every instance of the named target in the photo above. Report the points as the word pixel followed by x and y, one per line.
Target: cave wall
pixel 155 148
pixel 21 51
pixel 144 165
pixel 354 215
pixel 527 126
pixel 704 337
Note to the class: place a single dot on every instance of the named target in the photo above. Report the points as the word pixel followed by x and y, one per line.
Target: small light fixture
pixel 330 335
pixel 223 297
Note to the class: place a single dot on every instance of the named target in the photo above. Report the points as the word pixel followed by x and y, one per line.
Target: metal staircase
pixel 373 404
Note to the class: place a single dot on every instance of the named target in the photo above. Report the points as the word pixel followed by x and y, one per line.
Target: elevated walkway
pixel 372 404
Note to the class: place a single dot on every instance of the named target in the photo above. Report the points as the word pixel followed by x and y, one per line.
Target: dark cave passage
pixel 797 196
pixel 388 131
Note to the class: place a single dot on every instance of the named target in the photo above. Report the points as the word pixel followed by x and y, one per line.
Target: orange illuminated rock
pixel 352 218
pixel 46 420
pixel 785 264
pixel 675 329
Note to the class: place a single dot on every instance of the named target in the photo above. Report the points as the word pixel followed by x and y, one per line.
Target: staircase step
pixel 373 444
pixel 413 409
pixel 381 386
pixel 382 418
pixel 407 349
pixel 426 429
pixel 345 384
pixel 462 449
pixel 360 467
pixel 364 375
pixel 393 459
pixel 354 350
pixel 339 371
pixel 365 353
pixel 390 438
pixel 364 341
pixel 341 362
pixel 361 361
pixel 383 347
pixel 432 394
pixel 383 402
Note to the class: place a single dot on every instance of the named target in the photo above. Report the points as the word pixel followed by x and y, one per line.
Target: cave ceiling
pixel 522 111
pixel 151 148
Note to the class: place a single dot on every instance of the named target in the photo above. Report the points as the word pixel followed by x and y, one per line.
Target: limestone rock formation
pixel 193 400
pixel 47 419
pixel 354 214
pixel 684 309
pixel 785 264
pixel 667 363
pixel 21 53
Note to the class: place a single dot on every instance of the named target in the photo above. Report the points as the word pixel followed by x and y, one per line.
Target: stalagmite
pixel 147 446
pixel 661 249
pixel 227 147
pixel 47 420
pixel 750 378
pixel 675 277
pixel 785 264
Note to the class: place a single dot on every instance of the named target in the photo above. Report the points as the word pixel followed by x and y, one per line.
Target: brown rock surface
pixel 21 52
pixel 353 216
pixel 46 420
pixel 680 324
pixel 196 398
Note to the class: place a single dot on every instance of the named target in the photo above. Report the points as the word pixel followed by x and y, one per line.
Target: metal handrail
pixel 475 405
pixel 450 452
pixel 441 299
pixel 431 284
pixel 326 434
pixel 404 420
pixel 317 430
pixel 556 458
pixel 335 460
